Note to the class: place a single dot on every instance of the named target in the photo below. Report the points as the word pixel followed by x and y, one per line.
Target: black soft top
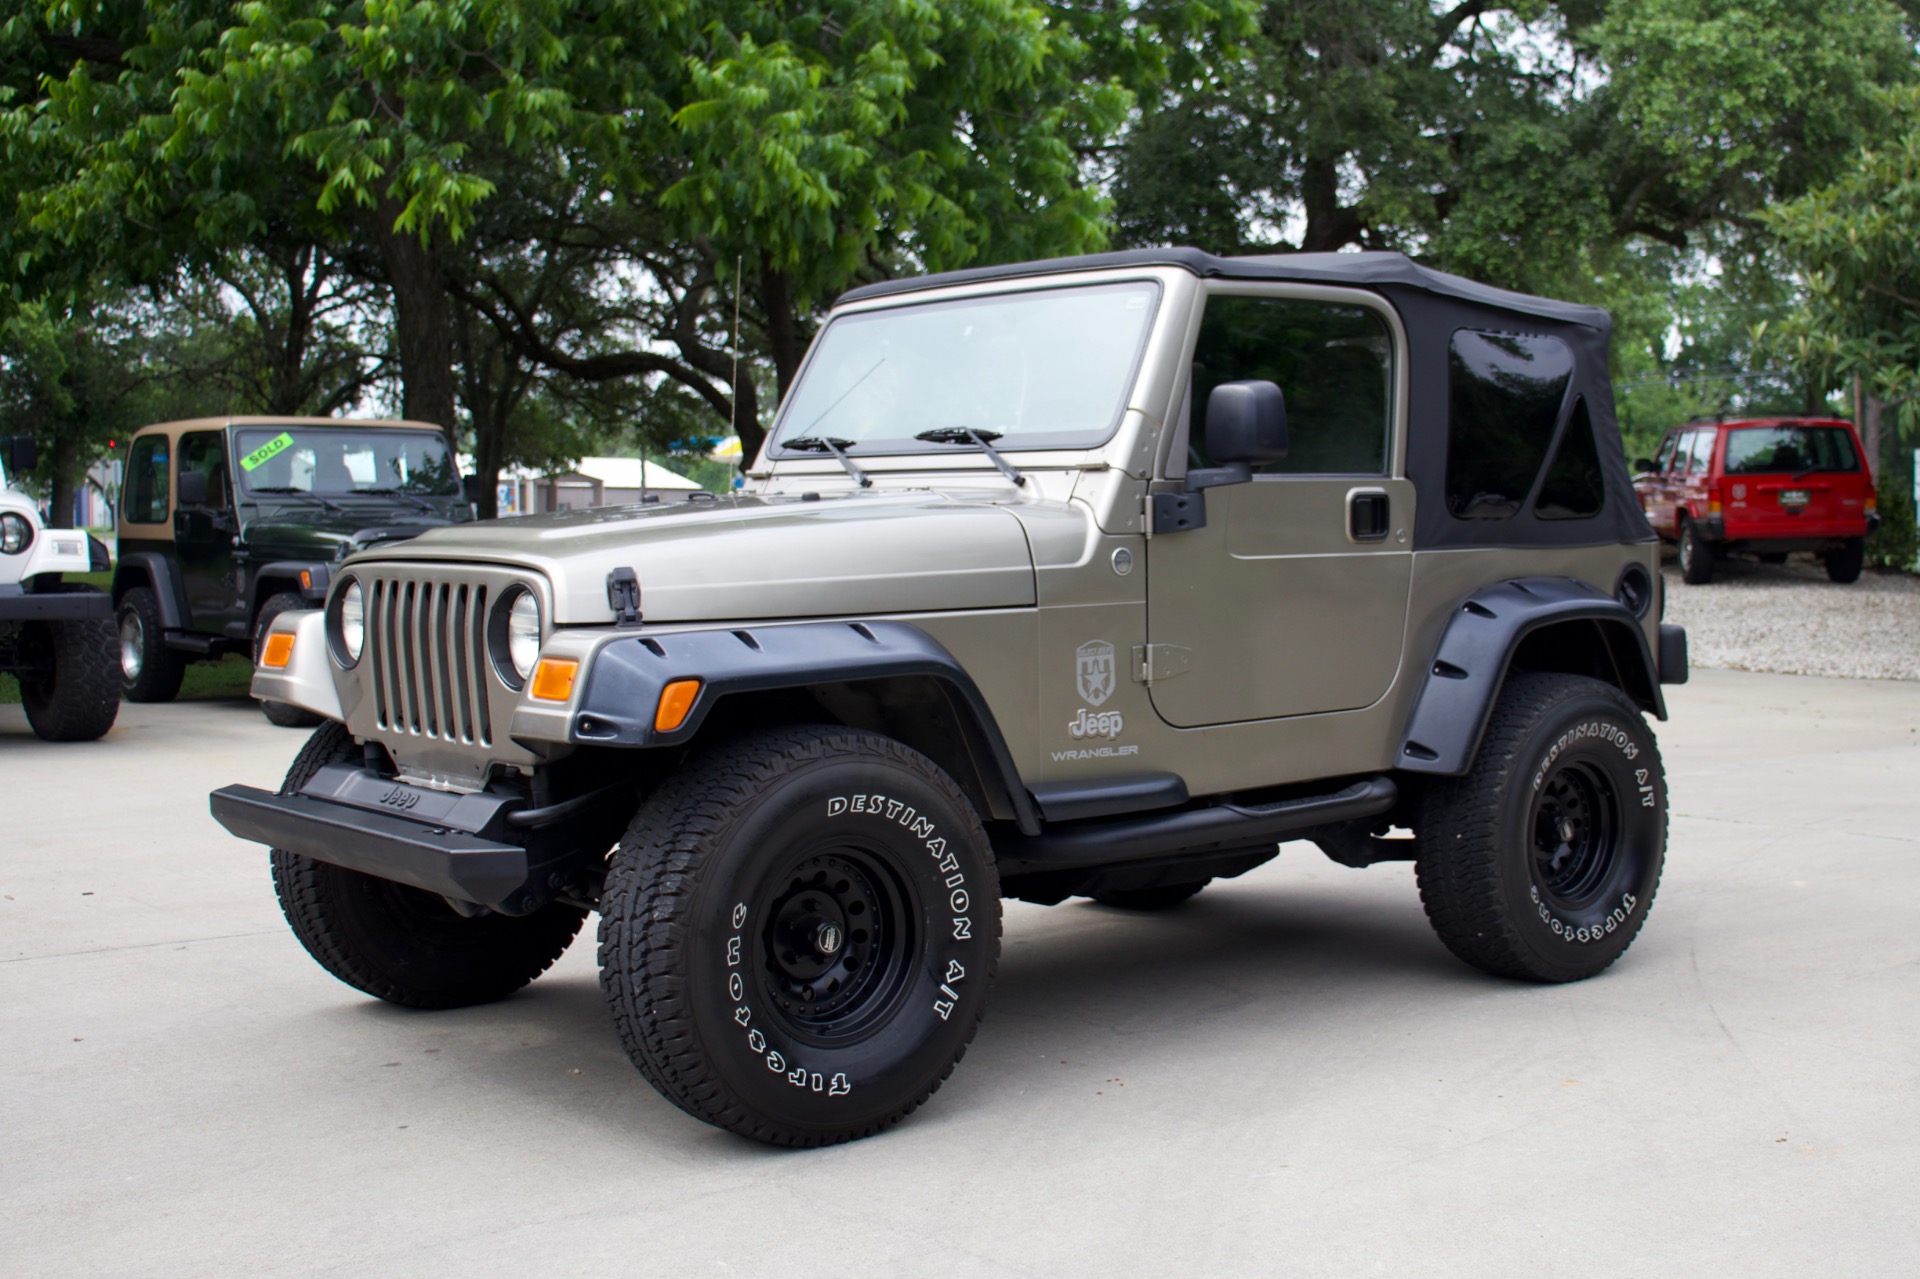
pixel 1376 270
pixel 1435 307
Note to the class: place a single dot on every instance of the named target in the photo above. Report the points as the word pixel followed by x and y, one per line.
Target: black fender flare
pixel 319 576
pixel 1471 662
pixel 154 570
pixel 626 677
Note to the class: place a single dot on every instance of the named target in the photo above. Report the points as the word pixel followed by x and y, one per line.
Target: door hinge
pixel 1155 662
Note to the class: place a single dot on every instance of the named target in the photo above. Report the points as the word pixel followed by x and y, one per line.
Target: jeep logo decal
pixel 1093 671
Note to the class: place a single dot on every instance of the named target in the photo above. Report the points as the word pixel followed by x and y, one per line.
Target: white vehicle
pixel 56 637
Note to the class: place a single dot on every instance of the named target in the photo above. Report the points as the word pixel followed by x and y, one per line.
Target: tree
pixel 1519 143
pixel 1852 243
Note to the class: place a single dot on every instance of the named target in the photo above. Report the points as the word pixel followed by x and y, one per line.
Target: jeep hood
pixel 741 558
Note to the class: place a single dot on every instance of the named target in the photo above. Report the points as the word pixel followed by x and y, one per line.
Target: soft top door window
pixel 1332 361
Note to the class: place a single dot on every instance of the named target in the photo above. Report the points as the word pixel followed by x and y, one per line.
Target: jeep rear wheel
pixel 797 934
pixel 398 943
pixel 149 670
pixel 1844 565
pixel 69 686
pixel 1542 861
pixel 280 713
pixel 1696 554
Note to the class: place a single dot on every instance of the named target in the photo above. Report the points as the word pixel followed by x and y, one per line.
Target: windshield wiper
pixel 821 444
pixel 983 439
pixel 402 493
pixel 310 495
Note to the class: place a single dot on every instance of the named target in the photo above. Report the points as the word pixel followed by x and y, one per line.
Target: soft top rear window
pixel 1789 450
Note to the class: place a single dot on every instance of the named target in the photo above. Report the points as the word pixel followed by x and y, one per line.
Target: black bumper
pixel 62 606
pixel 443 859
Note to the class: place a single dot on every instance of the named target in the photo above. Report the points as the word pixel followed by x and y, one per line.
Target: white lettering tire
pixel 1541 862
pixel 797 933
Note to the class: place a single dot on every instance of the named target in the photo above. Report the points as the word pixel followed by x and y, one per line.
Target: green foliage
pixel 1853 244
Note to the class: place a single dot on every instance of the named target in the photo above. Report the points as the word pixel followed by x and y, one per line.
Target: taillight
pixel 1713 502
pixel 1873 504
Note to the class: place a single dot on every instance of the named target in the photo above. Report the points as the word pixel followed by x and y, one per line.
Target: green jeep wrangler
pixel 1098 577
pixel 226 523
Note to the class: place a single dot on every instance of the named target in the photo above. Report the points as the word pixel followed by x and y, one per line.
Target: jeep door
pixel 203 533
pixel 1292 599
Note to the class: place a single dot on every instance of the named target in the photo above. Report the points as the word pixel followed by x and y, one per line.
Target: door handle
pixel 1368 515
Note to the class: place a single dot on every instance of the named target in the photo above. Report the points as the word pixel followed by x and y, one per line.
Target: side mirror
pixel 193 488
pixel 471 487
pixel 19 452
pixel 1644 466
pixel 1246 423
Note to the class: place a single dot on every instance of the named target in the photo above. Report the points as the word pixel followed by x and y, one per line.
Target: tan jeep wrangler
pixel 1096 577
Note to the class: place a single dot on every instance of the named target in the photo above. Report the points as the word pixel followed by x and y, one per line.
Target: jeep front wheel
pixel 1542 861
pixel 398 943
pixel 797 934
pixel 149 670
pixel 69 687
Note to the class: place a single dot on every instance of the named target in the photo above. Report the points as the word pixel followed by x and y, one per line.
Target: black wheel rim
pixel 1576 835
pixel 834 943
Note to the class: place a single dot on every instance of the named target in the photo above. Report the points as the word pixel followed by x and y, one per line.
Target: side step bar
pixel 1161 836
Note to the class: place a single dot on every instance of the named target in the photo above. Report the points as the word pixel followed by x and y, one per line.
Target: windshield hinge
pixel 1155 662
pixel 623 596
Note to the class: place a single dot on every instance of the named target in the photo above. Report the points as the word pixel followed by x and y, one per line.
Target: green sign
pixel 266 452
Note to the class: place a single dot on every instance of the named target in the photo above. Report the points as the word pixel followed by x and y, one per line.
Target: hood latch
pixel 623 597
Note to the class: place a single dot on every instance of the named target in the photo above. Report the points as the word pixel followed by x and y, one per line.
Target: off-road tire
pixel 1697 555
pixel 149 670
pixel 281 713
pixel 755 845
pixel 1510 889
pixel 1844 565
pixel 75 697
pixel 400 944
pixel 1160 897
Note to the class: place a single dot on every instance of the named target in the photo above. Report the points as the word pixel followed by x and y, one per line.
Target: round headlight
pixel 16 535
pixel 523 633
pixel 353 621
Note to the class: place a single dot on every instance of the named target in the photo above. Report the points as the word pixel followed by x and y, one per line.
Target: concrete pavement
pixel 1287 1076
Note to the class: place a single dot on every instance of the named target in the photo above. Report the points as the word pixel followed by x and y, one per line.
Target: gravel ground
pixel 1789 618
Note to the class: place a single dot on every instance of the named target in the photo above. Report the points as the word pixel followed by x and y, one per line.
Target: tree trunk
pixel 784 344
pixel 423 323
pixel 1869 412
pixel 64 471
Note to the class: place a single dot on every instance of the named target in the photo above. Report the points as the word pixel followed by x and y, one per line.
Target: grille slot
pixel 427 641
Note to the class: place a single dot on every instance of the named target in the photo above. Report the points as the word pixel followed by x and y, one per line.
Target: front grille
pixel 427 645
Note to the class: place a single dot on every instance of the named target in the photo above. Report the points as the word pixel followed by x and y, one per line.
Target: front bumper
pixel 479 848
pixel 17 605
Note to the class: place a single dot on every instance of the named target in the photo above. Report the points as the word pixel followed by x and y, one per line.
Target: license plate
pixel 1793 497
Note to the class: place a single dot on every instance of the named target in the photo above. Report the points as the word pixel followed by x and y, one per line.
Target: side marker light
pixel 553 679
pixel 676 700
pixel 277 651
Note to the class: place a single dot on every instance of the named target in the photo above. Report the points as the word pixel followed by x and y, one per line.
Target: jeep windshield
pixel 1043 369
pixel 343 461
pixel 1789 450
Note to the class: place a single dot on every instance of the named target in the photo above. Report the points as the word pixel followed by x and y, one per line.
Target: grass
pixel 204 682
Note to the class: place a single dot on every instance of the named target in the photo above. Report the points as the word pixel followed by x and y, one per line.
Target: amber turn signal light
pixel 277 651
pixel 676 699
pixel 553 679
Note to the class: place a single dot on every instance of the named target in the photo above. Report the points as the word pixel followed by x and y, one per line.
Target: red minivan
pixel 1765 487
